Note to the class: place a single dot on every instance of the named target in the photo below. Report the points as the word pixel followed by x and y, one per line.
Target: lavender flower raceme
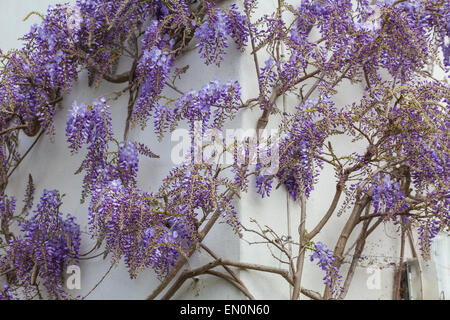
pixel 78 126
pixel 91 125
pixel 153 70
pixel 212 36
pixel 236 26
pixel 214 32
pixel 299 146
pixel 212 104
pixel 387 196
pixel 7 208
pixel 325 262
pixel 47 245
pixel 427 231
pixel 128 161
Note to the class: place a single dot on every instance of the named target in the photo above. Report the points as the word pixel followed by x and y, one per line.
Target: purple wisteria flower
pixel 91 125
pixel 7 208
pixel 212 36
pixel 325 261
pixel 7 293
pixel 153 69
pixel 214 32
pixel 214 101
pixel 298 148
pixel 78 127
pixel 128 161
pixel 236 26
pixel 387 197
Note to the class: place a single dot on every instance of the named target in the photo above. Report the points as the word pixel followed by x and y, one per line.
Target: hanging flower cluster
pixel 7 294
pixel 387 196
pixel 91 125
pixel 155 230
pixel 212 104
pixel 153 69
pixel 213 33
pixel 40 255
pixel 299 147
pixel 325 261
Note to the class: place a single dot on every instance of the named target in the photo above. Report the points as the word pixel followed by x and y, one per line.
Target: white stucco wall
pixel 52 167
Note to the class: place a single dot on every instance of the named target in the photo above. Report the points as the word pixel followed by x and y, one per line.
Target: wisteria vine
pixel 303 52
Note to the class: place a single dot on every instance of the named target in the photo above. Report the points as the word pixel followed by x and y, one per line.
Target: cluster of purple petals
pixel 153 69
pixel 91 125
pixel 7 208
pixel 179 13
pixel 212 37
pixel 78 126
pixel 7 293
pixel 211 105
pixel 128 156
pixel 236 26
pixel 437 219
pixel 325 261
pixel 138 229
pixel 427 231
pixel 47 245
pixel 268 78
pixel 263 181
pixel 297 152
pixel 387 196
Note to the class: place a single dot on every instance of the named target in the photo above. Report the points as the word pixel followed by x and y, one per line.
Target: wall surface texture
pixel 52 167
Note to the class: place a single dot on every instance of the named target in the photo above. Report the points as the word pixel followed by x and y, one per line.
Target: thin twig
pixel 22 126
pixel 26 153
pixel 98 283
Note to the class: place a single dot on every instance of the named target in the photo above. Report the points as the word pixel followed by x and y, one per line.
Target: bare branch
pixel 329 213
